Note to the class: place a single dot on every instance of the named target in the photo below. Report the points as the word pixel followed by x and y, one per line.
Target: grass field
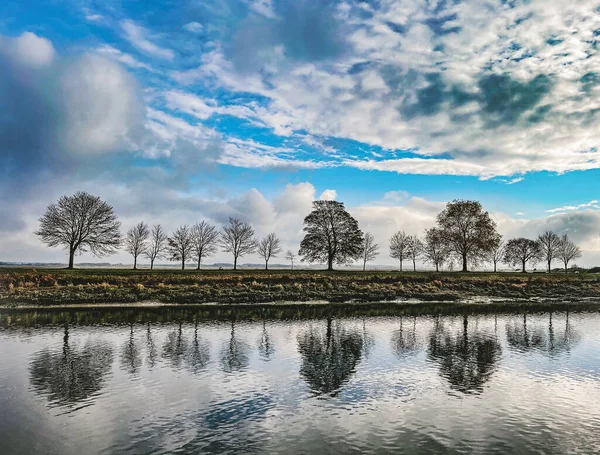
pixel 89 286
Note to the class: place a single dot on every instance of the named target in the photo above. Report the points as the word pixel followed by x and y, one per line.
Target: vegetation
pixel 60 287
pixel 238 239
pixel 80 223
pixel 332 235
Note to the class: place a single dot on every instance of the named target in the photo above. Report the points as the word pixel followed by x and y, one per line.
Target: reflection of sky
pixel 164 406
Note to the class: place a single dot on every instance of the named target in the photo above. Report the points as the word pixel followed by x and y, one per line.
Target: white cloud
pixel 138 36
pixel 193 27
pixel 121 57
pixel 570 208
pixel 328 195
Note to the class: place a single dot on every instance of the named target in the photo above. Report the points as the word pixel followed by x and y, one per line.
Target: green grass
pixel 87 286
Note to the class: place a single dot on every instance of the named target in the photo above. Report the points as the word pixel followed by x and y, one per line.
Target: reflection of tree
pixel 72 375
pixel 329 359
pixel 404 342
pixel 524 338
pixel 265 346
pixel 131 359
pixel 198 354
pixel 151 348
pixel 175 347
pixel 466 360
pixel 368 341
pixel 234 355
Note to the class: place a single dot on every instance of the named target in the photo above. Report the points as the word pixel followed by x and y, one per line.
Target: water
pixel 135 382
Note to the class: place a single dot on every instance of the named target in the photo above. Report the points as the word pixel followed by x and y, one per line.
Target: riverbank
pixel 45 287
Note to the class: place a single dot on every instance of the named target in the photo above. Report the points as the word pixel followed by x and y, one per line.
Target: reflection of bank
pixel 522 337
pixel 73 374
pixel 466 360
pixel 329 357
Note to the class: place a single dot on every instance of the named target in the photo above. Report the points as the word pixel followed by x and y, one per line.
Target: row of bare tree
pixel 201 241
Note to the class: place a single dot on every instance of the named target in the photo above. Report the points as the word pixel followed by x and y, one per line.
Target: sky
pixel 180 111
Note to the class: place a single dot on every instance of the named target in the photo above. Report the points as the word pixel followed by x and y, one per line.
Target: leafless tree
pixel 549 243
pixel 521 251
pixel 435 249
pixel 290 256
pixel 238 239
pixel 415 249
pixel 268 248
pixel 180 245
pixel 136 242
pixel 370 250
pixel 81 223
pixel 205 241
pixel 497 253
pixel 468 230
pixel 157 244
pixel 399 246
pixel 567 251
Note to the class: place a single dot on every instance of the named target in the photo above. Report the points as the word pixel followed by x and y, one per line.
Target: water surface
pixel 119 382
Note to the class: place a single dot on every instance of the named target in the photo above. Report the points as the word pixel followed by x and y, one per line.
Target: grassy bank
pixel 89 286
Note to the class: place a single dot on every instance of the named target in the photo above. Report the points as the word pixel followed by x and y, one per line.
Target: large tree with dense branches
pixel 332 235
pixel 81 223
pixel 468 230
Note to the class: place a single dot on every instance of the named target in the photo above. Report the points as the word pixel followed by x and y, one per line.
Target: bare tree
pixel 180 245
pixel 268 248
pixel 549 243
pixel 81 223
pixel 157 245
pixel 415 249
pixel 370 250
pixel 521 251
pixel 205 241
pixel 468 230
pixel 435 249
pixel 567 251
pixel 238 239
pixel 136 242
pixel 290 256
pixel 399 246
pixel 497 253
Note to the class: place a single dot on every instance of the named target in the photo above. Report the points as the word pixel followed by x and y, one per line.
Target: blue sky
pixel 176 111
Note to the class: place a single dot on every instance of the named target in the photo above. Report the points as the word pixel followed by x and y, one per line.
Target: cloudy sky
pixel 178 111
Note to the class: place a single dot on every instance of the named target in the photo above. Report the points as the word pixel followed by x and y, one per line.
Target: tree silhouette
pixel 198 354
pixel 234 355
pixel 131 359
pixel 269 247
pixel 466 361
pixel 265 345
pixel 404 342
pixel 81 223
pixel 157 244
pixel 332 235
pixel 329 359
pixel 180 245
pixel 238 239
pixel 370 250
pixel 136 241
pixel 522 251
pixel 205 241
pixel 468 230
pixel 400 246
pixel 175 347
pixel 73 375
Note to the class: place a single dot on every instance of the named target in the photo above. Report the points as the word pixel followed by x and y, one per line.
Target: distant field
pixel 87 286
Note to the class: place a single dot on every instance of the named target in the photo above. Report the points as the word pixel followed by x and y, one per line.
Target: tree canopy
pixel 81 223
pixel 332 235
pixel 468 230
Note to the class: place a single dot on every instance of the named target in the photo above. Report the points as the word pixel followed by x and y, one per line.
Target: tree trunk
pixel 71 255
pixel 364 266
pixel 437 267
pixel 151 264
pixel 182 263
pixel 134 262
pixel 566 265
pixel 199 262
pixel 266 264
pixel 401 265
pixel 464 260
pixel 523 271
pixel 330 263
pixel 234 262
pixel 549 266
pixel 414 266
pixel 494 267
